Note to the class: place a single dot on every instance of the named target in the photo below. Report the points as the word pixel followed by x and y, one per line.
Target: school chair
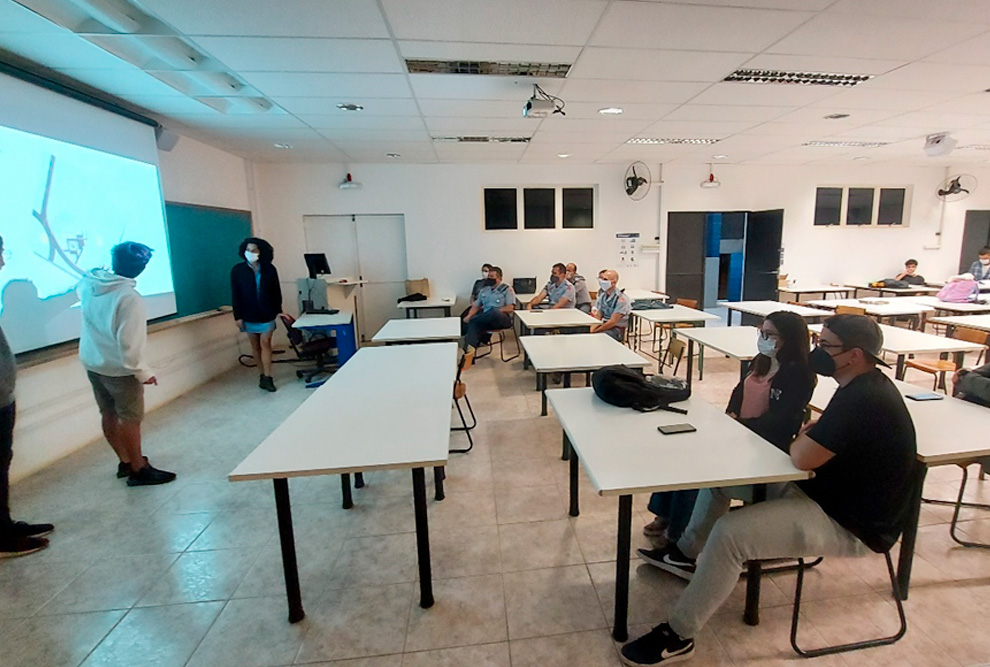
pixel 939 367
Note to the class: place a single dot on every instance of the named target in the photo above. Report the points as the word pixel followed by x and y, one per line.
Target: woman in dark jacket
pixel 770 401
pixel 257 301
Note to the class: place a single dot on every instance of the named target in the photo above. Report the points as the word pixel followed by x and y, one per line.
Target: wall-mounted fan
pixel 957 187
pixel 637 181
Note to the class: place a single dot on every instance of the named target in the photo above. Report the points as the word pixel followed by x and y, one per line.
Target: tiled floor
pixel 190 573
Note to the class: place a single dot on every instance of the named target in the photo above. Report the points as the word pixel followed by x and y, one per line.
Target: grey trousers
pixel 791 525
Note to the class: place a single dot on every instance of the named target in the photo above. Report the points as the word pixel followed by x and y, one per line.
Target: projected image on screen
pixel 64 208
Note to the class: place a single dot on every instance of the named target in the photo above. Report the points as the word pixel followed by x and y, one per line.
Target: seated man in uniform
pixel 612 307
pixel 559 290
pixel 582 297
pixel 490 311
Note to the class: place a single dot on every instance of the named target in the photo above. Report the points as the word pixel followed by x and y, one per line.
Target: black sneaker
pixel 124 469
pixel 267 383
pixel 670 559
pixel 661 645
pixel 19 545
pixel 24 529
pixel 149 476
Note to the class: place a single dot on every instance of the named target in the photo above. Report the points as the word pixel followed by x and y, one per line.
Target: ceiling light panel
pixel 489 68
pixel 844 144
pixel 652 141
pixel 797 78
pixel 476 139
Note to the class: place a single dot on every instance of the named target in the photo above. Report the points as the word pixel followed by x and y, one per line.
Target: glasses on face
pixel 831 346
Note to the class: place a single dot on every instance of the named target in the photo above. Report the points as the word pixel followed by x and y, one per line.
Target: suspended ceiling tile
pixel 60 51
pixel 241 121
pixel 17 18
pixel 282 54
pixel 328 105
pixel 433 50
pixel 699 112
pixel 602 125
pixel 651 112
pixel 171 105
pixel 123 82
pixel 474 108
pixel 614 93
pixel 688 129
pixel 935 122
pixel 506 21
pixel 374 135
pixel 358 121
pixel 960 79
pixel 309 84
pixel 655 65
pixel 878 133
pixel 766 95
pixel 814 115
pixel 546 136
pixel 821 63
pixel 955 10
pixel 973 51
pixel 285 18
pixel 875 98
pixel 467 87
pixel 481 126
pixel 832 34
pixel 806 5
pixel 380 148
pixel 697 28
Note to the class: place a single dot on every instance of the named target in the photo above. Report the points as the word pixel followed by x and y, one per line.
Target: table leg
pixel 283 510
pixel 754 574
pixel 345 489
pixel 422 539
pixel 567 380
pixel 910 535
pixel 728 317
pixel 620 629
pixel 565 447
pixel 438 476
pixel 901 368
pixel 541 381
pixel 690 369
pixel 446 311
pixel 575 509
pixel 359 480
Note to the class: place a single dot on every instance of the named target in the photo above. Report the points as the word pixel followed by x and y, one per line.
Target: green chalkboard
pixel 202 242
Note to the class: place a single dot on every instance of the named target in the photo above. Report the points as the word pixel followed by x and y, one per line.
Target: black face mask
pixel 488 282
pixel 554 278
pixel 821 362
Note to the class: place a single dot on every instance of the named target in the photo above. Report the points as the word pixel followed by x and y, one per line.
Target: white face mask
pixel 606 285
pixel 766 346
pixel 985 262
pixel 251 257
pixel 484 274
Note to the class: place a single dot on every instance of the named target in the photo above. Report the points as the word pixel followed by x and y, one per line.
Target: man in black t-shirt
pixel 910 273
pixel 862 450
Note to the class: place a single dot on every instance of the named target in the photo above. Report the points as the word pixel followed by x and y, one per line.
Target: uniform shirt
pixel 608 304
pixel 562 290
pixel 979 271
pixel 865 487
pixel 495 297
pixel 581 294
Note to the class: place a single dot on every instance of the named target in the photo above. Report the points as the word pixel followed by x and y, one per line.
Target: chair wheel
pixel 300 374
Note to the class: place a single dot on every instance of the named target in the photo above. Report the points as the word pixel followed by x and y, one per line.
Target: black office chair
pixel 524 285
pixel 317 350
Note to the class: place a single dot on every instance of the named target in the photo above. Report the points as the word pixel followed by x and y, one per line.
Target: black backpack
pixel 626 388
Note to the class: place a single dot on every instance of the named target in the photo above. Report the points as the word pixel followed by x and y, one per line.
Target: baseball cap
pixel 858 331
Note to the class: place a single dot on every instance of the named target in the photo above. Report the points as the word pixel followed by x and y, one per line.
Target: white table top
pixel 675 314
pixel 360 418
pixel 637 294
pixel 894 306
pixel 432 302
pixel 945 429
pixel 812 289
pixel 623 452
pixel 316 320
pixel 981 322
pixel 898 340
pixel 764 308
pixel 938 304
pixel 578 352
pixel 914 289
pixel 561 317
pixel 433 328
pixel 736 342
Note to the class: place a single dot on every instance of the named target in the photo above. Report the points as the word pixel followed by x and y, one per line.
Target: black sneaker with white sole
pixel 659 646
pixel 149 476
pixel 12 546
pixel 670 559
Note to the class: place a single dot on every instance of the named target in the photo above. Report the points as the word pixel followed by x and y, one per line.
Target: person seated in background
pixel 582 297
pixel 771 401
pixel 559 291
pixel 612 307
pixel 489 312
pixel 973 385
pixel 981 267
pixel 909 274
pixel 479 284
pixel 863 451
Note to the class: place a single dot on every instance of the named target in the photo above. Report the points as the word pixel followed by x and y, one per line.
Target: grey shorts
pixel 119 396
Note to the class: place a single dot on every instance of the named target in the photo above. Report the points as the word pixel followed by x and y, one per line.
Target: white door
pixel 365 247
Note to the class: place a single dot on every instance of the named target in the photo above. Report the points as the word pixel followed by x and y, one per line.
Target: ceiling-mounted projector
pixel 939 144
pixel 538 108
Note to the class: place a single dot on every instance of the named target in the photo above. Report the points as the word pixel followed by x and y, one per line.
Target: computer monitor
pixel 317 264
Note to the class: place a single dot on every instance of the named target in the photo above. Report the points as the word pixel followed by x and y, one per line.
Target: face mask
pixel 606 285
pixel 554 279
pixel 766 346
pixel 484 274
pixel 251 257
pixel 985 262
pixel 821 362
pixel 488 282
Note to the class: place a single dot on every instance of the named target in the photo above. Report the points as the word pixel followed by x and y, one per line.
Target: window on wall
pixel 578 208
pixel 500 208
pixel 539 210
pixel 861 206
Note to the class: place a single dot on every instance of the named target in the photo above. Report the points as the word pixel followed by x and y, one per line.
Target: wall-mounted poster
pixel 628 249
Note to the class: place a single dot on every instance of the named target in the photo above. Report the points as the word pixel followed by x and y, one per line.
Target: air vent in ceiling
pixel 801 78
pixel 654 141
pixel 482 140
pixel 845 144
pixel 488 68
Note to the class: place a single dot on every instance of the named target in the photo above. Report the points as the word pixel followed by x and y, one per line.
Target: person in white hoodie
pixel 111 348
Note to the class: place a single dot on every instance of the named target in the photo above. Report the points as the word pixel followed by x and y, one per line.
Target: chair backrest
pixel 849 310
pixel 524 285
pixel 675 349
pixel 295 335
pixel 970 335
pixel 690 303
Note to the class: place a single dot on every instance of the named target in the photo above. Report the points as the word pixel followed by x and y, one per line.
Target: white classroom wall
pixel 56 412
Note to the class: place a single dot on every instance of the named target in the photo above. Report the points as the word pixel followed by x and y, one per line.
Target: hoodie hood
pixel 101 281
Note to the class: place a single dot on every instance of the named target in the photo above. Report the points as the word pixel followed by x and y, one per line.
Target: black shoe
pixel 149 476
pixel 124 469
pixel 24 529
pixel 670 559
pixel 556 378
pixel 19 545
pixel 267 383
pixel 661 645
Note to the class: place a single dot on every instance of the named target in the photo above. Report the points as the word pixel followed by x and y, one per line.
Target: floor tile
pixel 112 583
pixel 468 610
pixel 534 503
pixel 539 544
pixel 483 655
pixel 462 510
pixel 198 576
pixel 375 561
pixel 26 584
pixel 250 633
pixel 465 552
pixel 578 649
pixel 57 640
pixel 551 601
